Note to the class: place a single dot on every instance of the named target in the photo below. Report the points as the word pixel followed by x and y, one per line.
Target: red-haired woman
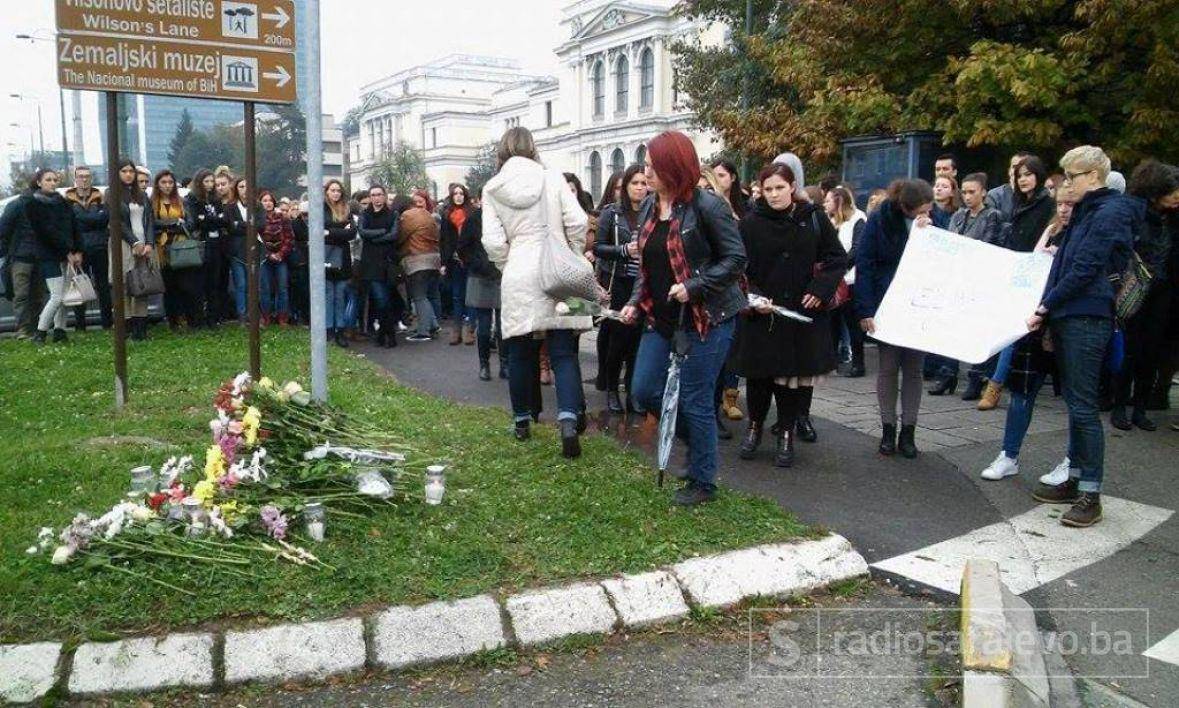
pixel 690 258
pixel 795 261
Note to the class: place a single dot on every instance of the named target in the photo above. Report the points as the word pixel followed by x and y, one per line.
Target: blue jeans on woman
pixel 423 290
pixel 274 279
pixel 1081 344
pixel 457 274
pixel 240 283
pixel 524 372
pixel 485 331
pixel 1019 418
pixel 336 303
pixel 698 376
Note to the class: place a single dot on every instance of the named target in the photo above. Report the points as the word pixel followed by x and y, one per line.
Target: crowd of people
pixel 774 283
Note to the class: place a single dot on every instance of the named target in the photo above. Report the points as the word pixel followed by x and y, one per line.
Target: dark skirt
pixel 483 293
pixel 772 346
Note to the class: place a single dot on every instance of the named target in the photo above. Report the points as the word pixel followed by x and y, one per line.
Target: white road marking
pixel 1032 549
pixel 1167 650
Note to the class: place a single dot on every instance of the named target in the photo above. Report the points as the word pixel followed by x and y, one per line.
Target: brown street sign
pixel 175 68
pixel 254 23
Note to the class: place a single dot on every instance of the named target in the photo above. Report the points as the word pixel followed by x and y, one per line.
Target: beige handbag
pixel 78 288
pixel 563 273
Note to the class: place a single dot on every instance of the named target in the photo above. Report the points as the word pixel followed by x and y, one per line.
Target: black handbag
pixel 144 278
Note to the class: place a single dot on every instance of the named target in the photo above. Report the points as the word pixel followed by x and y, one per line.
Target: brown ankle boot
pixel 456 335
pixel 468 334
pixel 990 397
pixel 730 407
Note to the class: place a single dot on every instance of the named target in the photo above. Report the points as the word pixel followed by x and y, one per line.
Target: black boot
pixel 138 332
pixel 722 432
pixel 614 403
pixel 806 429
pixel 1140 420
pixel 582 423
pixel 523 430
pixel 974 389
pixel 907 444
pixel 888 440
pixel 751 442
pixel 1118 419
pixel 784 454
pixel 484 371
pixel 60 337
pixel 39 337
pixel 948 386
pixel 341 339
pixel 570 441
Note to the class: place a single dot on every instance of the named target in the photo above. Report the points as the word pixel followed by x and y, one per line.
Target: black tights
pixel 792 402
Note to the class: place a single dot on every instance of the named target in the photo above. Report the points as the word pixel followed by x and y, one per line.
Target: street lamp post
pixel 65 149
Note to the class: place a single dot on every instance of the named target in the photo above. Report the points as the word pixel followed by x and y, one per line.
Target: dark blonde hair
pixel 516 142
pixel 846 204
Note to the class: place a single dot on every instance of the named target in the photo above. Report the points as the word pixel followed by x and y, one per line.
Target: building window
pixel 647 79
pixel 618 161
pixel 548 114
pixel 641 155
pixel 433 137
pixel 372 139
pixel 621 84
pixel 598 87
pixel 595 173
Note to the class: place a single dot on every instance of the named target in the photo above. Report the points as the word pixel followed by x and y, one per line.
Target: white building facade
pixel 615 91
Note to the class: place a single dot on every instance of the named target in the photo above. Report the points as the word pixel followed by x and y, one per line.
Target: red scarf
pixel 679 267
pixel 458 217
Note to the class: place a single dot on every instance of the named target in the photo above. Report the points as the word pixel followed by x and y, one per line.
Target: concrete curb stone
pixel 404 636
pixel 545 615
pixel 311 650
pixel 144 664
pixel 647 599
pixel 28 671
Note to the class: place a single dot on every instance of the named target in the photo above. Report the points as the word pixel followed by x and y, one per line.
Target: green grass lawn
pixel 515 515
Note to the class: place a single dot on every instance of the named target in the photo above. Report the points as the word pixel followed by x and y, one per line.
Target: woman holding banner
pixel 887 232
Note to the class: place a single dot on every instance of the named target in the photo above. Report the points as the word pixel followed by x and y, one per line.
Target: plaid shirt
pixel 679 267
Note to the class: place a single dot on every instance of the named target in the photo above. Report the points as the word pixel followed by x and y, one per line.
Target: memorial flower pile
pixel 273 453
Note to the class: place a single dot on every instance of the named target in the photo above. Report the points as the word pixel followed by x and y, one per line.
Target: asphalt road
pixel 888 507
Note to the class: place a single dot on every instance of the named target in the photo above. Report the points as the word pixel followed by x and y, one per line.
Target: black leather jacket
pixel 614 260
pixel 715 253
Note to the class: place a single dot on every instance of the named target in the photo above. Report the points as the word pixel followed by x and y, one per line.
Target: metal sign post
pixel 115 246
pixel 312 111
pixel 252 242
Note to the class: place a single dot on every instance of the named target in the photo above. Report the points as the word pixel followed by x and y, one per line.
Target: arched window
pixel 595 173
pixel 621 84
pixel 647 79
pixel 641 155
pixel 598 87
pixel 618 161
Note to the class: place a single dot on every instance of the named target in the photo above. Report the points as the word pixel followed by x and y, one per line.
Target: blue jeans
pixel 485 331
pixel 1019 418
pixel 423 291
pixel 458 293
pixel 1003 366
pixel 1081 344
pixel 240 284
pixel 698 376
pixel 336 303
pixel 274 288
pixel 524 373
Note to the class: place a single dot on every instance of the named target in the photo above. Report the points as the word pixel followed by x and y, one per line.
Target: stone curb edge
pixel 1002 655
pixel 403 636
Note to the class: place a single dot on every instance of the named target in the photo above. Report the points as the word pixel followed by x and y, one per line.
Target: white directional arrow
pixel 280 18
pixel 281 76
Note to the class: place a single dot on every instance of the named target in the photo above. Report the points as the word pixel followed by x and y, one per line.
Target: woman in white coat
pixel 524 204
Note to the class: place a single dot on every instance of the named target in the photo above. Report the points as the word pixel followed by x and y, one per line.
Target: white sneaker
pixel 1003 466
pixel 1057 476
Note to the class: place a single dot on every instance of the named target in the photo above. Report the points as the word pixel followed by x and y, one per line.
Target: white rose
pixel 562 308
pixel 32 550
pixel 61 556
pixel 291 388
pixel 142 513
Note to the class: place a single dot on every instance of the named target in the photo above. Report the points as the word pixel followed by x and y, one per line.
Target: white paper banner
pixel 960 298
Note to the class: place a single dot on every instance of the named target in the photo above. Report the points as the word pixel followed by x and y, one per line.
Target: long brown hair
pixel 845 204
pixel 156 196
pixel 340 210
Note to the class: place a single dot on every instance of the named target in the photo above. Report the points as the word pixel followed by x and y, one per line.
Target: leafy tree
pixel 350 124
pixel 401 170
pixel 483 170
pixel 999 74
pixel 21 171
pixel 184 132
pixel 282 151
pixel 206 149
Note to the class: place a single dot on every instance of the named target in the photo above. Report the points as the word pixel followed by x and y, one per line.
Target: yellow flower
pixel 205 491
pixel 266 383
pixel 229 511
pixel 251 421
pixel 214 463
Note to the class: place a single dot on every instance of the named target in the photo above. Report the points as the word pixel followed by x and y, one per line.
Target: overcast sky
pixel 362 40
